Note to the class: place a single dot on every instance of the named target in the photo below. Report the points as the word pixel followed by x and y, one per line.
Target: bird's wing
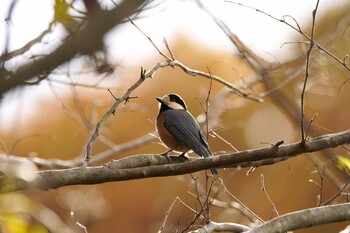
pixel 184 128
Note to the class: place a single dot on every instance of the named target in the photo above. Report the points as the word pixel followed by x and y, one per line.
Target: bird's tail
pixel 214 171
pixel 205 152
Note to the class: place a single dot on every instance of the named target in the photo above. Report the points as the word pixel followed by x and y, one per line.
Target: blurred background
pixel 53 120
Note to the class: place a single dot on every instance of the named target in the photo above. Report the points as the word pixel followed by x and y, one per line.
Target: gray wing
pixel 184 128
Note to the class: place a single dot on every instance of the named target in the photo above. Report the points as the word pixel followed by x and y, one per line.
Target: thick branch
pixel 86 41
pixel 146 166
pixel 26 47
pixel 221 227
pixel 306 218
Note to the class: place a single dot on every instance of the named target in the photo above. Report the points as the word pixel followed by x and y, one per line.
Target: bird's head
pixel 172 101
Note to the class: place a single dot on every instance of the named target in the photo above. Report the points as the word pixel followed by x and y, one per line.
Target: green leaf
pixel 62 15
pixel 343 163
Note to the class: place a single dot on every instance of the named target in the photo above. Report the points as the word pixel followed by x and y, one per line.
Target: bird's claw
pixel 183 155
pixel 166 154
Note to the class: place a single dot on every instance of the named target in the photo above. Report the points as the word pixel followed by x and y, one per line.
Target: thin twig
pixel 321 174
pixel 307 70
pixel 193 72
pixel 85 125
pixel 77 223
pixel 169 50
pixel 93 86
pixel 263 189
pixel 27 46
pixel 233 88
pixel 120 148
pixel 80 109
pixel 143 77
pixel 298 29
pixel 207 105
pixel 149 38
pixel 239 202
pixel 224 140
pixel 167 214
pixel 110 92
pixel 319 185
pixel 204 207
pixel 337 194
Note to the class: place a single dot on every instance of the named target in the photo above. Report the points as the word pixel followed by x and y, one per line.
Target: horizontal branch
pixel 221 227
pixel 306 218
pixel 42 163
pixel 153 165
pixel 288 222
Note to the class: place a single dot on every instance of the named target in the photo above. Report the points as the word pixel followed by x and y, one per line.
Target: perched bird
pixel 178 130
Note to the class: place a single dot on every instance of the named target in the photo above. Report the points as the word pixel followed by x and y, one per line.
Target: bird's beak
pixel 160 100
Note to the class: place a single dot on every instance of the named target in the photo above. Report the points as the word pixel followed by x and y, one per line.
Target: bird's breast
pixel 168 139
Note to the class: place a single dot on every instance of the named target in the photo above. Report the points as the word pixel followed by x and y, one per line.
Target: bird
pixel 178 130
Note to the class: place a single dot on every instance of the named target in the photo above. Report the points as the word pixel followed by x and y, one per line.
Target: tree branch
pixel 42 163
pixel 306 218
pixel 151 165
pixel 221 227
pixel 86 41
pixel 112 109
pixel 26 47
pixel 307 72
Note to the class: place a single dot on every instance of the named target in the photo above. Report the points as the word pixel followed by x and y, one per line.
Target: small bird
pixel 178 130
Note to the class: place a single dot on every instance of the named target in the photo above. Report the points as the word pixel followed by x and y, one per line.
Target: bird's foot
pixel 166 154
pixel 183 155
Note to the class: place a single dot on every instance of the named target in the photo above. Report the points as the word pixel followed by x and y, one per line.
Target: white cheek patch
pixel 174 105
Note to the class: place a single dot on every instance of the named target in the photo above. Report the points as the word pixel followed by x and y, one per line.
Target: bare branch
pixel 308 54
pixel 59 164
pixel 306 218
pixel 88 40
pixel 298 29
pixel 149 38
pixel 177 199
pixel 120 148
pixel 263 189
pixel 215 78
pixel 215 134
pixel 146 166
pixel 221 227
pixel 97 130
pixel 26 47
pixel 255 62
pixel 337 194
pixel 169 50
pixel 253 217
pixel 319 185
